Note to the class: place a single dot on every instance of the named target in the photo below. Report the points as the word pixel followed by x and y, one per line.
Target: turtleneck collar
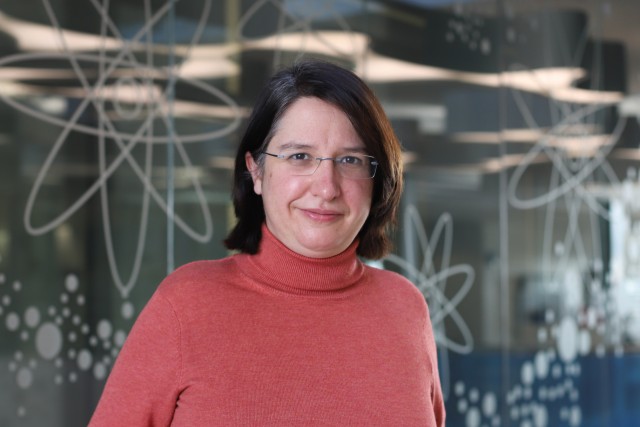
pixel 282 269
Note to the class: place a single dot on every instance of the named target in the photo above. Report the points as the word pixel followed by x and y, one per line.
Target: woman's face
pixel 317 215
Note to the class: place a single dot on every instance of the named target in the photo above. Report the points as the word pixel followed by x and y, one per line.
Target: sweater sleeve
pixel 143 386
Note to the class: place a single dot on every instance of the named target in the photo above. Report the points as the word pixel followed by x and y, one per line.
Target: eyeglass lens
pixel 350 166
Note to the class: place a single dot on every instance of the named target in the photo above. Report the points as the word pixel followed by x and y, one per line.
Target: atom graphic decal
pixel 432 282
pixel 134 90
pixel 579 315
pixel 574 251
pixel 297 18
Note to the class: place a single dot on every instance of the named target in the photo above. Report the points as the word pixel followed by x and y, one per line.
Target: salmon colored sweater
pixel 278 339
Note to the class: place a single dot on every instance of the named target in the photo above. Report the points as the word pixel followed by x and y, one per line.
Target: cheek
pixel 278 191
pixel 363 194
pixel 358 198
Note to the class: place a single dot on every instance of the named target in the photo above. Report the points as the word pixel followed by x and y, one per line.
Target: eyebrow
pixel 294 145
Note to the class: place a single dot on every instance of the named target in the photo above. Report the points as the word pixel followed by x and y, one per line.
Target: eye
pixel 351 160
pixel 299 156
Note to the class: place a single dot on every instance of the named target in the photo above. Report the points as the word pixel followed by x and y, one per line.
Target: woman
pixel 294 330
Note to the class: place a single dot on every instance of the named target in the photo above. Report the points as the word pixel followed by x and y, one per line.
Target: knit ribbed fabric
pixel 277 339
pixel 281 269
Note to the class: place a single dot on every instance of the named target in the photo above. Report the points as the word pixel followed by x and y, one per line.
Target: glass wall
pixel 520 223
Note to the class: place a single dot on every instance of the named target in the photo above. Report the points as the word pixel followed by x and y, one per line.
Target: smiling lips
pixel 321 215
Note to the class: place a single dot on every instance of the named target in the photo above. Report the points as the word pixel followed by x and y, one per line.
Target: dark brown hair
pixel 345 90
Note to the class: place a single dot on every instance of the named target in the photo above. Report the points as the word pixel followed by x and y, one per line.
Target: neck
pixel 279 268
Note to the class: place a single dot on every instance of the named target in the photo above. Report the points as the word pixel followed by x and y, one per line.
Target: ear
pixel 256 173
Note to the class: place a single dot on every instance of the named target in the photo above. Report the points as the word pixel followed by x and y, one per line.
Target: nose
pixel 326 180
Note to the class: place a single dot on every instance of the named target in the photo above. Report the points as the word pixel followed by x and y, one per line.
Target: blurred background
pixel 520 223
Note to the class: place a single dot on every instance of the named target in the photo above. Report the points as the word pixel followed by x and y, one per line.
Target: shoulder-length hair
pixel 345 90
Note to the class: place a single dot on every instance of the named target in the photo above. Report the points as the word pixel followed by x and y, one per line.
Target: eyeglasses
pixel 354 166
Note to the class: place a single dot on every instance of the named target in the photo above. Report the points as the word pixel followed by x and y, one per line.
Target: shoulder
pixel 391 278
pixel 196 270
pixel 395 284
pixel 196 280
pixel 401 299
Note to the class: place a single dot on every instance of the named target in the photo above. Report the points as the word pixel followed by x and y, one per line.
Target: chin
pixel 325 251
pixel 323 241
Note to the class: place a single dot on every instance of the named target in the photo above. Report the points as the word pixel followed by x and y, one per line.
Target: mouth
pixel 321 215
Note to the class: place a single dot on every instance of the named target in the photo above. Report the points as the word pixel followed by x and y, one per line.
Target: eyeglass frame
pixel 373 163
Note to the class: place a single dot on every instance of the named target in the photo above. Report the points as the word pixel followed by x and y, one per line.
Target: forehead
pixel 312 122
